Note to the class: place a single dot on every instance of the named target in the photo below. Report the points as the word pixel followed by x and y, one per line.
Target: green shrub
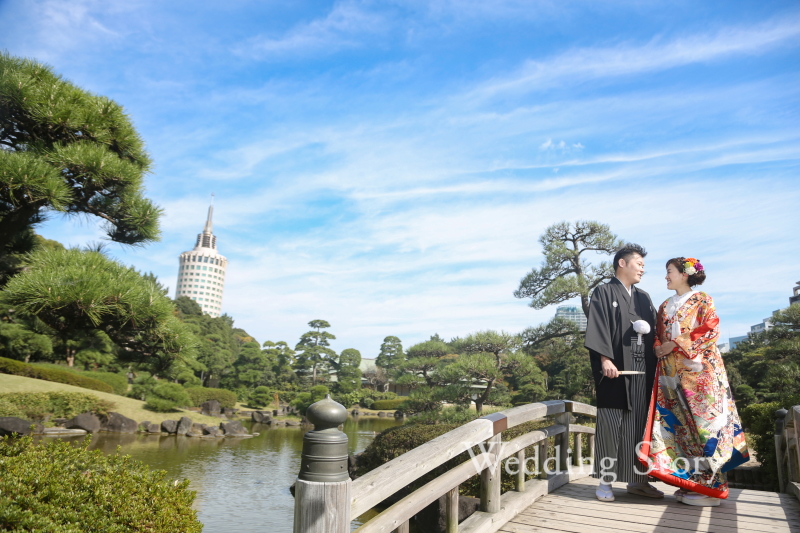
pixel 422 399
pixel 367 402
pixel 56 366
pixel 117 381
pixel 37 405
pixel 260 397
pixel 18 368
pixel 319 391
pixel 167 397
pixel 57 487
pixel 449 415
pixel 381 405
pixel 303 400
pixel 187 378
pixel 349 399
pixel 758 420
pixel 287 396
pixel 357 396
pixel 160 405
pixel 143 386
pixel 199 395
pixel 8 408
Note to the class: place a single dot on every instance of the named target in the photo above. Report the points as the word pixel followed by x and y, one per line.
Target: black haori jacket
pixel 609 332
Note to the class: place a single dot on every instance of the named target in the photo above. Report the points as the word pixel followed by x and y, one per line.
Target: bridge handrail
pixel 372 488
pixel 326 499
pixel 380 483
pixel 787 449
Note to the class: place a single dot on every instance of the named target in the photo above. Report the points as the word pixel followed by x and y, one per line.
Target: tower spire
pixel 208 228
pixel 206 239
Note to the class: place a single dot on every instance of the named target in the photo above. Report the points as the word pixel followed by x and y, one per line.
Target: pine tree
pixel 313 348
pixel 75 293
pixel 63 149
pixel 565 272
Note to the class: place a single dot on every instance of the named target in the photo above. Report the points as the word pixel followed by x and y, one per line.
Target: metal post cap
pixel 326 414
pixel 324 457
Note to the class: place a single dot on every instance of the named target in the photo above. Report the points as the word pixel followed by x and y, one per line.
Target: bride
pixel 694 429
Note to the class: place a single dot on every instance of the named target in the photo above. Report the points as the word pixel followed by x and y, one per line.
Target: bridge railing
pixel 327 504
pixel 787 449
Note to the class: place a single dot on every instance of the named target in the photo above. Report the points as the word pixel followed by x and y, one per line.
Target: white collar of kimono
pixel 625 286
pixel 675 303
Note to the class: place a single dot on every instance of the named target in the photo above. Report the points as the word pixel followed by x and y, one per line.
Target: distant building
pixel 733 341
pixel 367 365
pixel 762 326
pixel 201 275
pixel 795 298
pixel 724 347
pixel 573 314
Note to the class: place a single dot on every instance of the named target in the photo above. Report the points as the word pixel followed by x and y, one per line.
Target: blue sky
pixel 389 166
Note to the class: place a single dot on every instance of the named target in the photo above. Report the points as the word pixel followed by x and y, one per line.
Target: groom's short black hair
pixel 627 250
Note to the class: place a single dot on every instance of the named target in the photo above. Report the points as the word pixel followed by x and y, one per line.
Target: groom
pixel 622 400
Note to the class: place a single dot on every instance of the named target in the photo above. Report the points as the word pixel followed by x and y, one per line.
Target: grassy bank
pixel 125 406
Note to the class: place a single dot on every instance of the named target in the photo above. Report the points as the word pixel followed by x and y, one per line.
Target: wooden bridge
pixel 559 497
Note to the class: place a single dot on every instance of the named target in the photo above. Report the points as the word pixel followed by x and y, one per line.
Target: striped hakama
pixel 619 431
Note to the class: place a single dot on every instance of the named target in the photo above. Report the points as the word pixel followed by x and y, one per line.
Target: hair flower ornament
pixel 692 266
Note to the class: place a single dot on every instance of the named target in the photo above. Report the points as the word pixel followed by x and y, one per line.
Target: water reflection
pixel 242 484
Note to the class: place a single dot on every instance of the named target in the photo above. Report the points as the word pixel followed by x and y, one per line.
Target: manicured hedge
pixel 381 405
pixel 37 405
pixel 18 368
pixel 56 486
pixel 167 397
pixel 199 395
pixel 117 381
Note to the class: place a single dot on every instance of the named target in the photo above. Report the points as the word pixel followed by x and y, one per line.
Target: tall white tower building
pixel 201 275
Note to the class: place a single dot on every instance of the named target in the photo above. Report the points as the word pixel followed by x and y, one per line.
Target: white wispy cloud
pixel 343 27
pixel 61 27
pixel 658 54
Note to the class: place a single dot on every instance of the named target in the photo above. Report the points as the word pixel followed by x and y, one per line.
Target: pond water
pixel 242 484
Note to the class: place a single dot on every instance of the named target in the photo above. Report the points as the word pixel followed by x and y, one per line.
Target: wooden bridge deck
pixel 574 508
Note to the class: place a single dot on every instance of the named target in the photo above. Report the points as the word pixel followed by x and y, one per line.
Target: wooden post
pixel 794 458
pixel 562 441
pixel 451 509
pixel 577 449
pixel 591 447
pixel 541 458
pixel 780 417
pixel 322 507
pixel 322 496
pixel 520 481
pixel 490 478
pixel 404 528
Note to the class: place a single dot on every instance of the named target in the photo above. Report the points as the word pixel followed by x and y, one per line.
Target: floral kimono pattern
pixel 694 434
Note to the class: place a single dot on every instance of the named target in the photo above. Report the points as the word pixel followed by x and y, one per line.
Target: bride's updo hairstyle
pixel 699 274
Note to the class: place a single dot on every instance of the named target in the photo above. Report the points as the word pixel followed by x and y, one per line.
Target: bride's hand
pixel 665 349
